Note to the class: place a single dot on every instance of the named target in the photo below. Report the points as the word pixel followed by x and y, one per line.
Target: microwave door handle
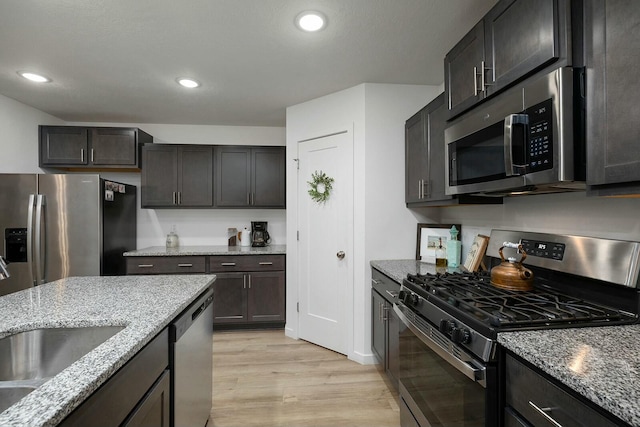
pixel 510 123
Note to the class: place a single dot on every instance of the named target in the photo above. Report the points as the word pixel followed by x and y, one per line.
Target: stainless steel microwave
pixel 528 139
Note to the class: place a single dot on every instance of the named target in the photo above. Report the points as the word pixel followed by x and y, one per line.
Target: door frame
pixel 292 291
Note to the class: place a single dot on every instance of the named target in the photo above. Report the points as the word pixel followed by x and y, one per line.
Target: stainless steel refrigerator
pixel 62 225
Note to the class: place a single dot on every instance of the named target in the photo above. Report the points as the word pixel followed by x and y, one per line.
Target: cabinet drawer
pixel 222 263
pixel 166 265
pixel 538 399
pixel 384 285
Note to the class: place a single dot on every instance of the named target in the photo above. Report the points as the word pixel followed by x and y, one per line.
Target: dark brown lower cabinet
pixel 533 399
pixel 138 394
pixel 385 325
pixel 249 298
pixel 153 410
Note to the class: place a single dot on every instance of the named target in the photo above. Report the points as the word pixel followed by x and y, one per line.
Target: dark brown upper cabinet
pixel 75 147
pixel 425 173
pixel 612 33
pixel 513 40
pixel 250 177
pixel 177 176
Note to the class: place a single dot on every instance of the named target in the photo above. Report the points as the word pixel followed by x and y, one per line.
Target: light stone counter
pixel 145 305
pixel 600 363
pixel 209 250
pixel 398 269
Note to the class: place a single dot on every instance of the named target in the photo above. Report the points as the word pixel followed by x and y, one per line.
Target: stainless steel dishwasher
pixel 192 363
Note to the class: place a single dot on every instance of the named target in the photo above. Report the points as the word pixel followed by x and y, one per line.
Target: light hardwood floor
pixel 263 378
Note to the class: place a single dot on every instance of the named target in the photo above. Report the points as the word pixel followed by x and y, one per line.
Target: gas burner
pixel 473 294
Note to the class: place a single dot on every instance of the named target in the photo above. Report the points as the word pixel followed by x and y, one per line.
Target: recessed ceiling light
pixel 38 78
pixel 311 21
pixel 190 83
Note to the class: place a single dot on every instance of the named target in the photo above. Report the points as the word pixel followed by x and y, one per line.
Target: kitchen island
pixel 144 305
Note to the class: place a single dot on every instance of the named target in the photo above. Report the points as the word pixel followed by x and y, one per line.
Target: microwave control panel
pixel 540 144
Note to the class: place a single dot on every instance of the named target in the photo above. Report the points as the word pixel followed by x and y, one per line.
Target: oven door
pixel 440 384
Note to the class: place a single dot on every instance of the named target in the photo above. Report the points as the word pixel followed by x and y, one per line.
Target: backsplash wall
pixel 564 213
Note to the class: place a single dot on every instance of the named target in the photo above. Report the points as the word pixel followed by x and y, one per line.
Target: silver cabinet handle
pixel 265 263
pixel 249 281
pixel 228 264
pixel 543 412
pixel 244 281
pixel 475 81
pixel 92 155
pixel 82 155
pixel 185 265
pixel 375 282
pixel 145 265
pixel 484 77
pixel 392 294
pixel 340 254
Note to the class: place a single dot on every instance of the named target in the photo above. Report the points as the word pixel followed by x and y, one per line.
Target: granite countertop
pixel 145 305
pixel 398 269
pixel 209 250
pixel 600 363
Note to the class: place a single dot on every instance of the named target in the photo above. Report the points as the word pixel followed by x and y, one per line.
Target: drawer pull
pixel 543 412
pixel 185 265
pixel 265 263
pixel 228 264
pixel 375 282
pixel 145 265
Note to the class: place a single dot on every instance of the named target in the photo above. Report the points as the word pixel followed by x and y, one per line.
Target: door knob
pixel 340 254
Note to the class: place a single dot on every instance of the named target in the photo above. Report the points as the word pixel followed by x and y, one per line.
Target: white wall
pixel 19 136
pixel 383 227
pixel 564 213
pixel 19 142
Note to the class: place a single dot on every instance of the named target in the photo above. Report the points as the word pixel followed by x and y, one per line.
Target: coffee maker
pixel 259 233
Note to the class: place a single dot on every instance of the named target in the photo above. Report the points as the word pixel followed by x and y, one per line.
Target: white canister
pixel 245 237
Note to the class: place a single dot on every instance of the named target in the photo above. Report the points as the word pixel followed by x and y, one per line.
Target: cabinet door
pixel 266 297
pixel 153 410
pixel 113 146
pixel 268 177
pixel 462 70
pixel 520 36
pixel 415 145
pixel 195 176
pixel 159 176
pixel 393 345
pixel 378 328
pixel 230 298
pixel 613 89
pixel 233 176
pixel 63 145
pixel 434 188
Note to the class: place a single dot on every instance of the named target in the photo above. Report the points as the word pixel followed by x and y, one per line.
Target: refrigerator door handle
pixel 40 240
pixel 30 213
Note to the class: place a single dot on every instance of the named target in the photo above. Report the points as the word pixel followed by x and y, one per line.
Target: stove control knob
pixel 461 336
pixel 446 326
pixel 414 299
pixel 402 296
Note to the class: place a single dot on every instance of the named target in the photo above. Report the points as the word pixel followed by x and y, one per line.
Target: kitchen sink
pixel 31 358
pixel 42 353
pixel 11 393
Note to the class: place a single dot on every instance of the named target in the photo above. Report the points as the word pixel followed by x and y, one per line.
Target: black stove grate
pixel 504 309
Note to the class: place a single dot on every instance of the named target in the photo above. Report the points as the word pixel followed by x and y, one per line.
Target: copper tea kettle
pixel 511 274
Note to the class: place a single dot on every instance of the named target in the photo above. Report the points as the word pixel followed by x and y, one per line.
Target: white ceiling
pixel 117 60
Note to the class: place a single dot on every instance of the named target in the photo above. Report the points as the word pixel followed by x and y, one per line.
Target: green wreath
pixel 321 186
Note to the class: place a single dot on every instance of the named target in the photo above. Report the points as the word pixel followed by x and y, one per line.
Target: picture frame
pixel 476 253
pixel 428 239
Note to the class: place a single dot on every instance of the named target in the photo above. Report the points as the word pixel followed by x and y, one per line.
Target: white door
pixel 325 241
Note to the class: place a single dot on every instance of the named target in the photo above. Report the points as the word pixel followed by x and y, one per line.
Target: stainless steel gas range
pixel 450 366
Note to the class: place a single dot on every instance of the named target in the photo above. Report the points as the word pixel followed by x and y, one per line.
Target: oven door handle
pixel 473 373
